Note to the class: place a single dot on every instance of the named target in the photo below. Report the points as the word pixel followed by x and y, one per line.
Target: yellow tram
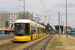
pixel 27 30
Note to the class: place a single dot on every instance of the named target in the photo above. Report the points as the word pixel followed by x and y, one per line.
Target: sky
pixel 49 9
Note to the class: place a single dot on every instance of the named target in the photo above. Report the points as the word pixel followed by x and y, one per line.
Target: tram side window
pixel 33 29
pixel 38 30
pixel 43 30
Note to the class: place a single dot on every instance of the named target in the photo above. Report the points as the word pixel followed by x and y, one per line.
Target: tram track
pixel 44 46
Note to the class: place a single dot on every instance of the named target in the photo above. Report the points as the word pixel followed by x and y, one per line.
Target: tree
pixel 70 28
pixel 48 26
pixel 6 24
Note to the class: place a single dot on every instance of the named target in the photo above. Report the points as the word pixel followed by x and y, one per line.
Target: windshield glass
pixel 22 29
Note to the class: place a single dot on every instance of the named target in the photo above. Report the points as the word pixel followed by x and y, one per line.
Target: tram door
pixel 33 31
pixel 38 31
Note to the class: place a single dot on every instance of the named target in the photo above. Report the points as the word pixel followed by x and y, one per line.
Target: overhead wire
pixel 26 5
pixel 43 6
pixel 18 4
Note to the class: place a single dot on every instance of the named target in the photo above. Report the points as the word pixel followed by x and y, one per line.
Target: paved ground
pixel 72 35
pixel 6 36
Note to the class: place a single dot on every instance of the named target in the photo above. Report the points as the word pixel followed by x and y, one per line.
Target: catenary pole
pixel 59 22
pixel 24 10
pixel 66 19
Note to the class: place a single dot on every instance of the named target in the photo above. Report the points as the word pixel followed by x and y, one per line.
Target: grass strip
pixel 39 45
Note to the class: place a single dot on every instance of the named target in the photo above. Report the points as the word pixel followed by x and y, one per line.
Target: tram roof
pixel 27 21
pixel 24 21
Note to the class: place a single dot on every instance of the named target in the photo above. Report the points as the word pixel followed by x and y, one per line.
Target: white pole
pixel 66 19
pixel 59 23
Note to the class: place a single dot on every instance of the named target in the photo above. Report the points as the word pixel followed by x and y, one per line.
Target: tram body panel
pixel 44 32
pixel 34 36
pixel 22 32
pixel 38 31
pixel 31 24
pixel 33 31
pixel 37 35
pixel 41 31
pixel 22 38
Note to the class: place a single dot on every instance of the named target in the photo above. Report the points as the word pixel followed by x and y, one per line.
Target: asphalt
pixel 10 36
pixel 6 36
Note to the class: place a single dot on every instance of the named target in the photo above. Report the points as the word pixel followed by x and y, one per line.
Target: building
pixel 68 28
pixel 27 15
pixel 61 28
pixel 4 16
pixel 11 17
pixel 19 15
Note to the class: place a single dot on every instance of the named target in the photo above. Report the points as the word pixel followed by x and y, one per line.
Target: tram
pixel 27 30
pixel 72 32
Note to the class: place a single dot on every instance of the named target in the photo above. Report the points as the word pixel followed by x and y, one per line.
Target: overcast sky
pixel 51 8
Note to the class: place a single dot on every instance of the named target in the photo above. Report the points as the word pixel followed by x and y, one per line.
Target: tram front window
pixel 21 29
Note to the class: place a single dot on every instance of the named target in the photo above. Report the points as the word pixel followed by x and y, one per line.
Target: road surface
pixel 6 36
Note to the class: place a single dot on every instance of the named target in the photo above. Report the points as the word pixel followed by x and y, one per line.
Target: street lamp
pixel 59 22
pixel 61 18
